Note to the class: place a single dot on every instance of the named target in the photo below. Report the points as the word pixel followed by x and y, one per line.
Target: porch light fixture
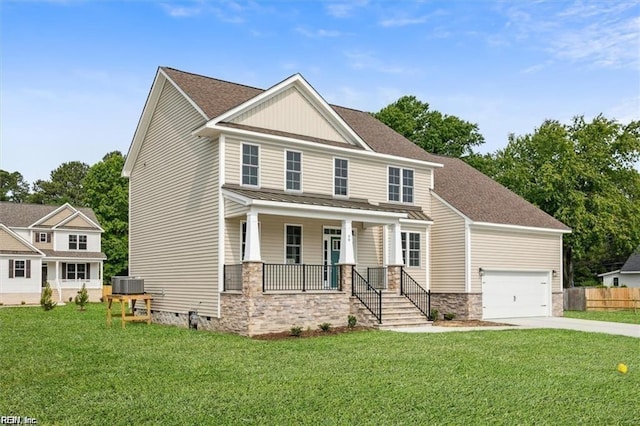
pixel 481 272
pixel 554 273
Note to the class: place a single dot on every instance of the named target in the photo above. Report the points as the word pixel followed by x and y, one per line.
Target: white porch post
pixel 346 244
pixel 396 246
pixel 252 240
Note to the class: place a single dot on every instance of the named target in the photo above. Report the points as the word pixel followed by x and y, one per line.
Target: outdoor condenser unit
pixel 127 285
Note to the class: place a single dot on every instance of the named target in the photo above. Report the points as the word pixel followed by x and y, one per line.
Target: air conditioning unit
pixel 127 285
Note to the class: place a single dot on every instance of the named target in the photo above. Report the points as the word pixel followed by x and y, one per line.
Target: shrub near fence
pixel 601 299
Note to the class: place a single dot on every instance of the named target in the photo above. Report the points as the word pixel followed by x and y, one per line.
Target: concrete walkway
pixel 631 330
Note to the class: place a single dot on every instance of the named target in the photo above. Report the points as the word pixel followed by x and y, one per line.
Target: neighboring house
pixel 55 244
pixel 628 275
pixel 257 210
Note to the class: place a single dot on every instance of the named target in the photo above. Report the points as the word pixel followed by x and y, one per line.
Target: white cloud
pixel 403 21
pixel 319 33
pixel 344 10
pixel 367 60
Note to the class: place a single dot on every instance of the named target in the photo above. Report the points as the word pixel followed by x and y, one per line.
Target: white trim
pixel 519 228
pixel 221 221
pixel 247 185
pixel 427 257
pixel 432 183
pixel 415 222
pixel 53 213
pixel 284 254
pixel 467 256
pixel 606 274
pixel 333 172
pixel 21 240
pixel 284 140
pixel 308 92
pixel 385 245
pixel 293 191
pixel 406 248
pixel 401 200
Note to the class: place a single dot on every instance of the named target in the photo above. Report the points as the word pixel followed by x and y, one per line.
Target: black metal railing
pixel 232 277
pixel 282 277
pixel 370 297
pixel 377 277
pixel 420 297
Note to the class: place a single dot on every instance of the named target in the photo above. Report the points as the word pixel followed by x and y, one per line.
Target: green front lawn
pixel 66 367
pixel 630 316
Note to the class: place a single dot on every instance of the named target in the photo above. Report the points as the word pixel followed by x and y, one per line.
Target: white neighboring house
pixel 56 244
pixel 628 275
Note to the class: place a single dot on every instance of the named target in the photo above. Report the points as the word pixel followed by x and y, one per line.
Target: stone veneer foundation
pixel 466 306
pixel 557 304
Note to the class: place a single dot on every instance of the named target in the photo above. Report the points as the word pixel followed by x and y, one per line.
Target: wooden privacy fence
pixel 601 299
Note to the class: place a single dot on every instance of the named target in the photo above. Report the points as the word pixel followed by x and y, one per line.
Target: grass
pixel 66 367
pixel 628 316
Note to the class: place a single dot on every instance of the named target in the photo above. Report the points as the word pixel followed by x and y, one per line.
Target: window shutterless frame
pixel 293 171
pixel 340 177
pixel 400 184
pixel 250 164
pixel 293 244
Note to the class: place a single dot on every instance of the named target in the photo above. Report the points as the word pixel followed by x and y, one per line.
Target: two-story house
pixel 257 210
pixel 60 245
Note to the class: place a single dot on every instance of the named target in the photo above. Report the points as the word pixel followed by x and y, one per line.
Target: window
pixel 411 246
pixel 44 237
pixel 294 171
pixel 77 271
pixel 400 187
pixel 293 244
pixel 616 281
pixel 341 172
pixel 250 164
pixel 77 242
pixel 19 268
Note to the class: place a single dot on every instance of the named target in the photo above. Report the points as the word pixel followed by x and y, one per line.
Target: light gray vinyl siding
pixel 173 210
pixel 289 111
pixel 516 251
pixel 232 209
pixel 447 250
pixel 367 176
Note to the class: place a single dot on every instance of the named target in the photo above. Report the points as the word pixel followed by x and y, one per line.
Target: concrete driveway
pixel 619 328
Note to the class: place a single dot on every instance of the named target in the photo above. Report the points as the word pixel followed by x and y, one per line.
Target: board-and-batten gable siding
pixel 59 217
pixel 10 243
pixel 367 177
pixel 447 250
pixel 514 250
pixel 174 213
pixel 290 112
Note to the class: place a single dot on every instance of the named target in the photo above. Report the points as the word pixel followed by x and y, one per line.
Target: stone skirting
pixel 466 306
pixel 557 304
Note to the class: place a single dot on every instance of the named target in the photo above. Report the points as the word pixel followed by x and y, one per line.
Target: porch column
pixel 252 241
pixel 394 268
pixel 346 244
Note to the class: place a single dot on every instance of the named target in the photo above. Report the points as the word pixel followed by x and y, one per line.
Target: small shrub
pixel 70 299
pixel 23 303
pixel 296 331
pixel 46 301
pixel 325 326
pixel 352 321
pixel 434 315
pixel 449 316
pixel 83 297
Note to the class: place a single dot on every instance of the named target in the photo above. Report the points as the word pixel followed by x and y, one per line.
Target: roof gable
pixel 11 243
pixel 55 217
pixel 78 221
pixel 632 265
pixel 24 215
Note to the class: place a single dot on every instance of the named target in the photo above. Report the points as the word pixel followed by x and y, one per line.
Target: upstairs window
pixel 400 185
pixel 340 177
pixel 250 155
pixel 43 237
pixel 294 171
pixel 77 242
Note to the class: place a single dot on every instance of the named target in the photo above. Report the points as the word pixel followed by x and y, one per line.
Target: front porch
pixel 67 276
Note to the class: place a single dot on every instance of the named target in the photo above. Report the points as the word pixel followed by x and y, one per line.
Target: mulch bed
pixel 309 333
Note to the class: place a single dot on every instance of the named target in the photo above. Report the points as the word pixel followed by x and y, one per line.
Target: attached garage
pixel 509 294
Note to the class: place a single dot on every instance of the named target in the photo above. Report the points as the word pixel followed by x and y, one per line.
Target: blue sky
pixel 75 74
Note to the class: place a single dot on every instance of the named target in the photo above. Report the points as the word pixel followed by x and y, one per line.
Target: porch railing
pixel 420 297
pixel 377 277
pixel 370 297
pixel 233 277
pixel 283 277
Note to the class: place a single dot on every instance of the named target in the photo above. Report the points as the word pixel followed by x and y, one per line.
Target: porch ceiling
pixel 320 205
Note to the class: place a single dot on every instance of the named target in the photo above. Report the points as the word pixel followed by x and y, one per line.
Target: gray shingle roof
pixel 474 194
pixel 632 264
pixel 266 194
pixel 22 215
pixel 74 254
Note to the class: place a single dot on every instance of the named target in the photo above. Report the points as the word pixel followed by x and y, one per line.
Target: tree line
pixel 582 173
pixel 99 187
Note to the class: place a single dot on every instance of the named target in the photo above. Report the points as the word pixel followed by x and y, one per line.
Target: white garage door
pixel 515 294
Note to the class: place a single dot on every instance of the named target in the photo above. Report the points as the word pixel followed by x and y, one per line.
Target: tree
pixel 65 186
pixel 82 298
pixel 107 193
pixel 46 300
pixel 13 187
pixel 582 174
pixel 433 131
